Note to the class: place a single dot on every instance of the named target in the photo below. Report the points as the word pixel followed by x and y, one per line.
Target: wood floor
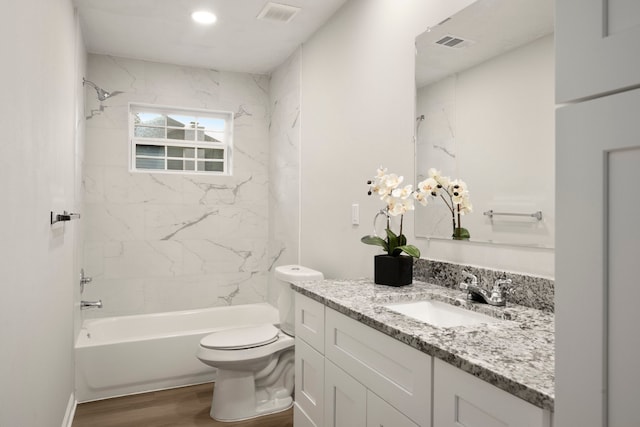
pixel 180 407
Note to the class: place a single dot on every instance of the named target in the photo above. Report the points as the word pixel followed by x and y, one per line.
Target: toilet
pixel 256 364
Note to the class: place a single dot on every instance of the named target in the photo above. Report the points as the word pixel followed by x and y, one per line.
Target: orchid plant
pixel 455 195
pixel 400 200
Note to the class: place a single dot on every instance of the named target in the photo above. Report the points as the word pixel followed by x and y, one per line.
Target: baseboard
pixel 70 412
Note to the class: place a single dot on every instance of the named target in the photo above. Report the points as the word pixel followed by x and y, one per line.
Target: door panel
pixel 596 47
pixel 597 239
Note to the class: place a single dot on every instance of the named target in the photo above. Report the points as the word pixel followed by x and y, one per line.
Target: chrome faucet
pixel 496 296
pixel 90 304
pixel 84 280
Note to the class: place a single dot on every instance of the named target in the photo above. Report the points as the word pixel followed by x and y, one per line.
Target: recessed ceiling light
pixel 204 17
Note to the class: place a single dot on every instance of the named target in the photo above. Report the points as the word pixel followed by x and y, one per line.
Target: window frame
pixel 226 145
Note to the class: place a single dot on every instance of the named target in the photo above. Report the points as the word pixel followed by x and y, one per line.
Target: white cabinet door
pixel 345 399
pixel 597 246
pixel 596 47
pixel 309 321
pixel 460 399
pixel 309 381
pixel 396 372
pixel 381 414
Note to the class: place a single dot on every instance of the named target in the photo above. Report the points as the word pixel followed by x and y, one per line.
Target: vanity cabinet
pixel 357 376
pixel 462 399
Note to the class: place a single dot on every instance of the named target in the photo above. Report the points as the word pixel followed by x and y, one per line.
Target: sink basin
pixel 438 313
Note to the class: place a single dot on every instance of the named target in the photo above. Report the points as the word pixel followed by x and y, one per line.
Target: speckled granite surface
pixel 531 291
pixel 515 354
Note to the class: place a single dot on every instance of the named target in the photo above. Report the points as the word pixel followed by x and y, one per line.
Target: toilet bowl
pixel 256 364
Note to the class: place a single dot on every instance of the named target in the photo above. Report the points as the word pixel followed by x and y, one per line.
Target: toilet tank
pixel 285 275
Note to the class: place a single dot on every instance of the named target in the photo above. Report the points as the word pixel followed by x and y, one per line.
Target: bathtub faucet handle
pixel 84 280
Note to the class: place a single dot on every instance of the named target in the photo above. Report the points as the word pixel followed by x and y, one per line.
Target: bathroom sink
pixel 438 313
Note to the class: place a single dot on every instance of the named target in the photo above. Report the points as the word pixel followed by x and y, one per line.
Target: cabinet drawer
pixel 309 381
pixel 381 414
pixel 397 373
pixel 462 399
pixel 310 321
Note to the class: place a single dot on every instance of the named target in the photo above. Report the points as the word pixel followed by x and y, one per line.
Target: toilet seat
pixel 226 357
pixel 241 338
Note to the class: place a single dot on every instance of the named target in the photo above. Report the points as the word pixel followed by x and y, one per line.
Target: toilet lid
pixel 239 338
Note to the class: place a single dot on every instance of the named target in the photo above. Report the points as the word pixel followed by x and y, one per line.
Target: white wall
pixel 284 166
pixel 493 126
pixel 358 111
pixel 160 242
pixel 40 78
pixel 358 102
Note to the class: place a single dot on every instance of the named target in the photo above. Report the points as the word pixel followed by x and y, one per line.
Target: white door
pixel 597 260
pixel 596 47
pixel 345 399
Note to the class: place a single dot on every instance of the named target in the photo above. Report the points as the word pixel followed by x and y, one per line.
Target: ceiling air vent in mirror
pixel 453 41
pixel 278 12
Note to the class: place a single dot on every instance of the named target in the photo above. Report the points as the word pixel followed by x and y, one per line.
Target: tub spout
pixel 90 304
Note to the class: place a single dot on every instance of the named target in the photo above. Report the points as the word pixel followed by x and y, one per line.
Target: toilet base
pixel 239 395
pixel 274 407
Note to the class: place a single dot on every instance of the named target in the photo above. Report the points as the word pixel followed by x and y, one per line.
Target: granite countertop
pixel 515 355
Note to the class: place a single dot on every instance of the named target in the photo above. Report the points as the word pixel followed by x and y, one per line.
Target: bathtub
pixel 123 355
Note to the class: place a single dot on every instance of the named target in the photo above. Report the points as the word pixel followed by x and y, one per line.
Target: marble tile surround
pixel 530 291
pixel 284 167
pixel 162 242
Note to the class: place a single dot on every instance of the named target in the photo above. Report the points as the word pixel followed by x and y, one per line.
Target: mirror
pixel 485 114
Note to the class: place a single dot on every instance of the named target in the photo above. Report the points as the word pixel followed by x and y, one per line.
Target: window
pixel 176 140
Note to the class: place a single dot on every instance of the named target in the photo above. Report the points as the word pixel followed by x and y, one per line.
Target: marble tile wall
pixel 530 291
pixel 284 167
pixel 161 242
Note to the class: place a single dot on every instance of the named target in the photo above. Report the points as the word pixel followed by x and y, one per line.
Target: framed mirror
pixel 485 114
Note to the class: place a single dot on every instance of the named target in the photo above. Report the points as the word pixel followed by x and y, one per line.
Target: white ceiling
pixel 162 31
pixel 495 27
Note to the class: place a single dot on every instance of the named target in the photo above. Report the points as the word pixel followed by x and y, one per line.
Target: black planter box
pixel 393 270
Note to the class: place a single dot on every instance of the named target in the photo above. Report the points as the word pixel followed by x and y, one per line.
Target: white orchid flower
pixel 437 176
pixel 394 206
pixel 465 206
pixel 420 197
pixel 458 191
pixel 400 206
pixel 403 193
pixel 429 186
pixel 392 181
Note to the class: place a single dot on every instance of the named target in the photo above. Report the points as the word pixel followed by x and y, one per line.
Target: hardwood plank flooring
pixel 179 407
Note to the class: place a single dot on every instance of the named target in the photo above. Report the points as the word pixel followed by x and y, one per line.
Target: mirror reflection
pixel 485 115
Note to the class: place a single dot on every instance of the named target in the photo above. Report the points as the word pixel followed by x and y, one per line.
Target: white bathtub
pixel 123 355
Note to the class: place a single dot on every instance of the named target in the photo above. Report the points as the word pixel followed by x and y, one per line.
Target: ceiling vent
pixel 278 12
pixel 454 42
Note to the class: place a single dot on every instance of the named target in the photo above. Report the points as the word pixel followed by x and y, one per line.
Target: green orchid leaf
pixel 410 250
pixel 393 241
pixel 376 241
